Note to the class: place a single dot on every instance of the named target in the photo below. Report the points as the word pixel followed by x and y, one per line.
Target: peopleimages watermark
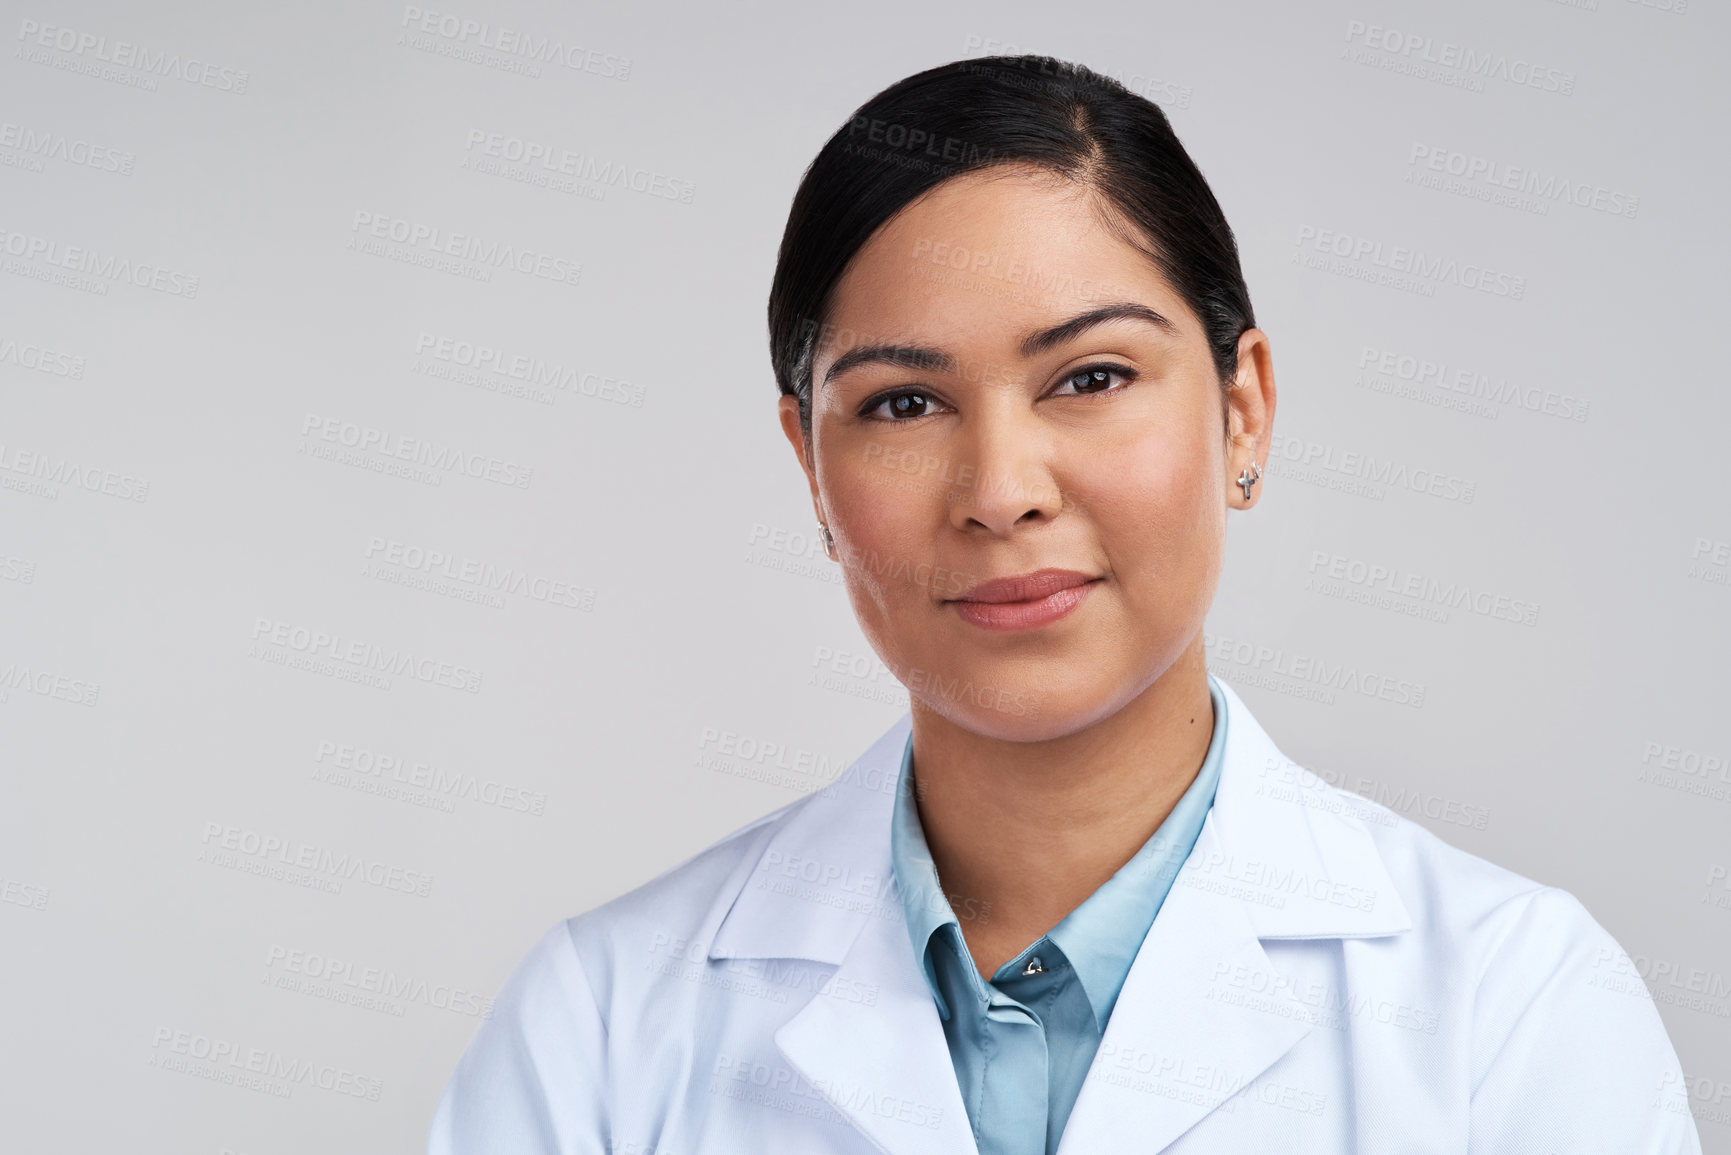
pixel 857 675
pixel 778 763
pixel 304 863
pixel 1669 981
pixel 1400 266
pixel 40 358
pixel 1470 384
pixel 363 657
pixel 87 269
pixel 1428 58
pixel 1327 570
pixel 581 168
pixel 910 146
pixel 770 979
pixel 1500 177
pixel 1718 879
pixel 930 684
pixel 1318 676
pixel 35 146
pixel 745 1078
pixel 796 552
pixel 1710 561
pixel 367 987
pixel 48 684
pixel 1367 799
pixel 406 563
pixel 24 894
pixel 446 251
pixel 478 40
pixel 791 552
pixel 1362 474
pixel 254 1068
pixel 363 765
pixel 924 473
pixel 1271 883
pixel 837 886
pixel 394 448
pixel 43 473
pixel 540 380
pixel 91 51
pixel 1703 773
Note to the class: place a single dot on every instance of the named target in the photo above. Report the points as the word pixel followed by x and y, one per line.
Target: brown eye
pixel 899 406
pixel 1098 378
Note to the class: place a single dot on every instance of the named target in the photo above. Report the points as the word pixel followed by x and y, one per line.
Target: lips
pixel 1026 601
pixel 1028 587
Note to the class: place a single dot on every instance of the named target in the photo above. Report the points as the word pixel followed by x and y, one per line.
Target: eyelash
pixel 1128 374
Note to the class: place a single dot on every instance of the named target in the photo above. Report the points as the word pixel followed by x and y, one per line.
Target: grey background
pixel 716 672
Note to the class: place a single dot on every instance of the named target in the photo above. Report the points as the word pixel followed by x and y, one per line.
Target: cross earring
pixel 1249 478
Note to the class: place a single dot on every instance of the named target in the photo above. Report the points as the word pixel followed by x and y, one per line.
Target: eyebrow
pixel 930 360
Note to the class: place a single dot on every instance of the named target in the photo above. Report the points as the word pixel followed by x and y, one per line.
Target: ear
pixel 789 411
pixel 1249 415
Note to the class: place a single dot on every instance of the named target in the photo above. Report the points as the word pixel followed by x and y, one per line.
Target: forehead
pixel 983 258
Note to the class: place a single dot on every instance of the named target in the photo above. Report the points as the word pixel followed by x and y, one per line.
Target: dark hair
pixel 971 114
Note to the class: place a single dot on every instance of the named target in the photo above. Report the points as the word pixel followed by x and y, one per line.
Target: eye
pixel 902 405
pixel 1098 378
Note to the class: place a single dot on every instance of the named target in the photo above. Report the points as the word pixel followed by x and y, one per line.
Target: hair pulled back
pixel 969 115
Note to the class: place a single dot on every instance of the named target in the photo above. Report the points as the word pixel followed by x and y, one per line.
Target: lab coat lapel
pixel 886 1066
pixel 870 1040
pixel 1173 1050
pixel 1277 857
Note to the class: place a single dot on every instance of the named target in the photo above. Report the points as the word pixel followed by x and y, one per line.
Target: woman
pixel 1098 910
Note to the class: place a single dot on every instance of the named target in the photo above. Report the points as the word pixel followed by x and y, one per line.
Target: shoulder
pixel 1446 889
pixel 1552 1003
pixel 688 897
pixel 565 978
pixel 1497 928
pixel 706 906
pixel 1472 920
pixel 670 917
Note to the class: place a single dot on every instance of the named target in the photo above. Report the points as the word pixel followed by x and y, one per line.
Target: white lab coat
pixel 1325 976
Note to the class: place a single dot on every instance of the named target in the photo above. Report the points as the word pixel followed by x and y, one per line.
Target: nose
pixel 1007 453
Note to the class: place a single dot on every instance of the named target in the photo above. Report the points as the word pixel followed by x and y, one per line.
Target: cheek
pixel 881 519
pixel 1158 508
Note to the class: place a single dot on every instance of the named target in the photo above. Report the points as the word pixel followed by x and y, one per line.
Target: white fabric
pixel 1325 977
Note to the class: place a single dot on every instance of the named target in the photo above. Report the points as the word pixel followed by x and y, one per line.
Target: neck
pixel 1028 830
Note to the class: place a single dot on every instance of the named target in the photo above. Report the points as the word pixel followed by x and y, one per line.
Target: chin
pixel 1011 709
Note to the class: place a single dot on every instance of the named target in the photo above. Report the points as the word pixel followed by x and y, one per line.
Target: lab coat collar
pixel 1099 938
pixel 1278 857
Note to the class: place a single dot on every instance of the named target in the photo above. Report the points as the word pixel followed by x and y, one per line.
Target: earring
pixel 1249 478
pixel 828 540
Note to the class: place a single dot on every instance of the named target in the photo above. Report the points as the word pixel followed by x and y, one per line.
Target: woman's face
pixel 975 417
